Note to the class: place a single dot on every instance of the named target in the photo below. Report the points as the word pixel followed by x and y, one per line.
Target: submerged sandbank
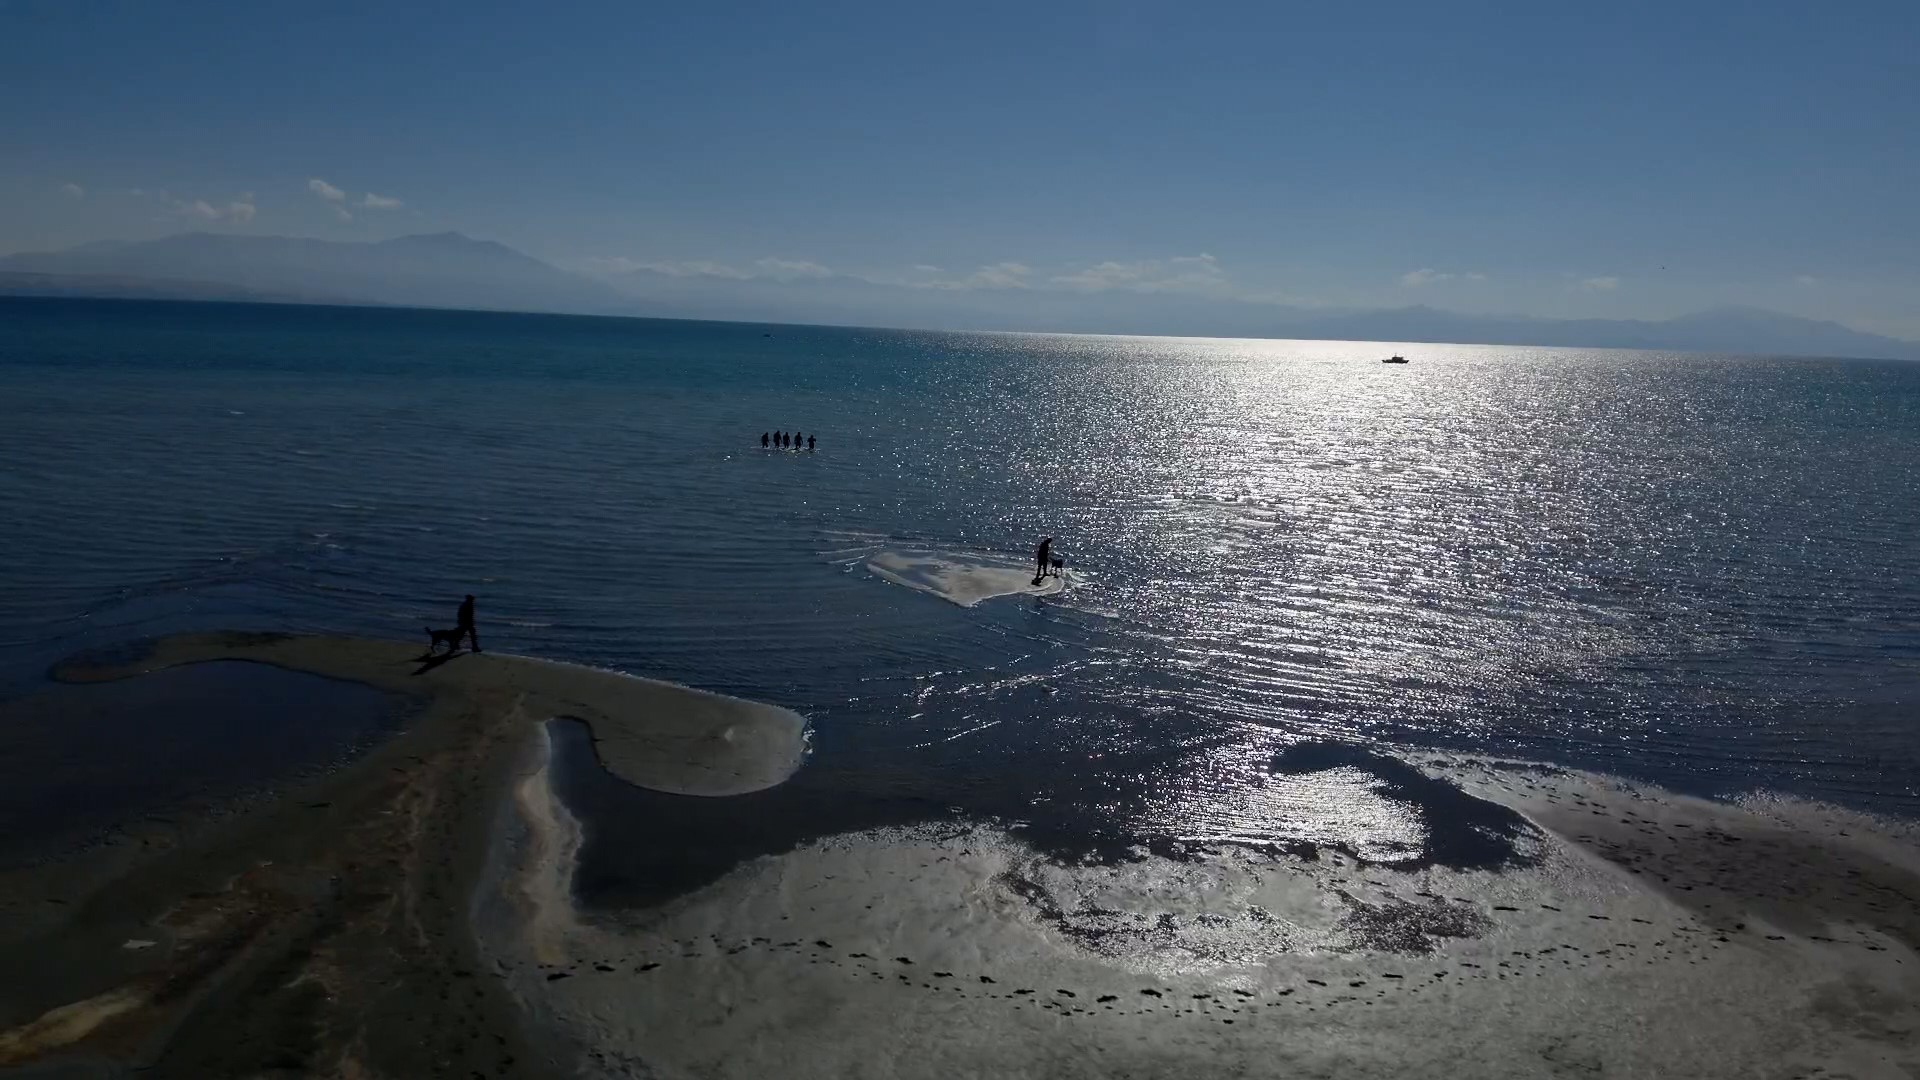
pixel 1637 933
pixel 328 932
pixel 186 740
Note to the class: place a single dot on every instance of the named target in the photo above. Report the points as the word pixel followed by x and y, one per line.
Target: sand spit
pixel 658 735
pixel 1767 945
pixel 328 933
pixel 962 579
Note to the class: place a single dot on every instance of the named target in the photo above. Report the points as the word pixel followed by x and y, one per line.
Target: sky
pixel 1594 160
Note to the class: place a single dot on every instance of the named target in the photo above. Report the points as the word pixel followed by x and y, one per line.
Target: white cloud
pixel 1427 275
pixel 609 264
pixel 1106 275
pixel 926 268
pixel 697 268
pixel 73 190
pixel 792 268
pixel 1001 275
pixel 1600 284
pixel 620 264
pixel 1182 273
pixel 368 201
pixel 1807 279
pixel 240 210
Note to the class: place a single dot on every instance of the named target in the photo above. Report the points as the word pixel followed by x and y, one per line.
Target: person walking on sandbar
pixel 464 626
pixel 1042 558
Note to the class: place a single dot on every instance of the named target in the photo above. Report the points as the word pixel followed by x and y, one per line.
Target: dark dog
pixel 1055 566
pixel 450 637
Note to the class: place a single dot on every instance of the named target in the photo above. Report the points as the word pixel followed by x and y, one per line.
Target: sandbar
pixel 329 931
pixel 415 914
pixel 655 734
pixel 965 580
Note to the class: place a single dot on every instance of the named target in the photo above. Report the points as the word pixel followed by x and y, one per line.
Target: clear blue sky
pixel 1537 158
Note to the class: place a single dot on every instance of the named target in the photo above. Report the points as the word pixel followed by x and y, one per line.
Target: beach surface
pixel 1625 932
pixel 418 912
pixel 328 932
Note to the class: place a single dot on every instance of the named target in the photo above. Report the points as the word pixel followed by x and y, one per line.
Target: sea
pixel 1695 571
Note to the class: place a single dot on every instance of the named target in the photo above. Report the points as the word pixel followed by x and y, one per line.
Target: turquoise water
pixel 1697 570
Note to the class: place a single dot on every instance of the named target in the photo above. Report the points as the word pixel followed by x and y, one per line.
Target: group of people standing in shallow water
pixel 784 441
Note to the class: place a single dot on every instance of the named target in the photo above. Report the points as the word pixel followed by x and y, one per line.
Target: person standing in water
pixel 809 444
pixel 463 625
pixel 1042 557
pixel 765 437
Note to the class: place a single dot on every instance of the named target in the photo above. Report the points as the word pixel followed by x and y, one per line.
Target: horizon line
pixel 374 305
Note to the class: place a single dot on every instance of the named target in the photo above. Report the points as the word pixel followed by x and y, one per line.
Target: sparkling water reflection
pixel 1696 569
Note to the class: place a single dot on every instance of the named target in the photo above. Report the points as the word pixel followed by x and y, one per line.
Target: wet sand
pixel 1627 933
pixel 418 913
pixel 328 933
pixel 962 579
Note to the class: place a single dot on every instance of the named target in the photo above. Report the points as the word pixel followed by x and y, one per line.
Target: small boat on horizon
pixel 1395 360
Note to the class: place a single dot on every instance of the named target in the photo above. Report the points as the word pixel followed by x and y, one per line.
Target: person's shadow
pixel 433 660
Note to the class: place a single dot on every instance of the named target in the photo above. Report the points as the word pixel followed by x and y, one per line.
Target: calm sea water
pixel 1698 570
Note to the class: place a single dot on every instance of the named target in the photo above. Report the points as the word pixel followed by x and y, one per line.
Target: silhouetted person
pixel 764 439
pixel 809 444
pixel 463 627
pixel 780 438
pixel 1042 556
pixel 796 440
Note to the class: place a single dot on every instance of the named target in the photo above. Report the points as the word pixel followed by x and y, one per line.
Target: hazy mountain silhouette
pixel 452 270
pixel 124 287
pixel 438 270
pixel 857 301
pixel 1732 329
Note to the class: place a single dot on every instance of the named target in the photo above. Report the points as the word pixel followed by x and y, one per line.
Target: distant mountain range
pixel 438 270
pixel 455 271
